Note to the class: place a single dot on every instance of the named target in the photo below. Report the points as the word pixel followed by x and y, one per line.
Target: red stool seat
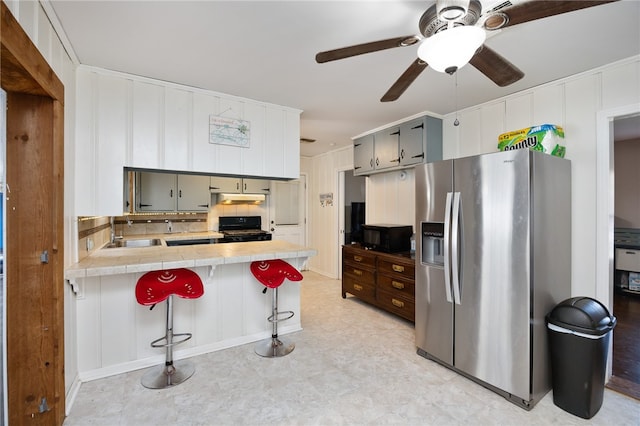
pixel 272 273
pixel 156 286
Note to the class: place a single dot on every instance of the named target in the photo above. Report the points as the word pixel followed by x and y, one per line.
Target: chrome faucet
pixel 169 226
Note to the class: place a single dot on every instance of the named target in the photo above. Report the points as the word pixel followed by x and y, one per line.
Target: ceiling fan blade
pixel 495 67
pixel 360 49
pixel 404 81
pixel 532 10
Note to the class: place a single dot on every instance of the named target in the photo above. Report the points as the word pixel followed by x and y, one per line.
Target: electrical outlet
pixel 89 244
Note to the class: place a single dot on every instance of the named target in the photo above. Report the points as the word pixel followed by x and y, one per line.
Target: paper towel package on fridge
pixel 545 138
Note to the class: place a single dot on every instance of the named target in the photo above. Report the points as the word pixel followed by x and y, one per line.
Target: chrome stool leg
pixel 275 347
pixel 172 372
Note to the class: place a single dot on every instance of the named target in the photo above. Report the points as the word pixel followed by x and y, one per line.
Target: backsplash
pixel 94 232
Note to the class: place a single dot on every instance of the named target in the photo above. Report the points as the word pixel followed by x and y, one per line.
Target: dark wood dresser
pixel 381 279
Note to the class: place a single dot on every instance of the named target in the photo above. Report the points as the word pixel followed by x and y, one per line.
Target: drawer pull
pixel 357 272
pixel 357 287
pixel 357 258
pixel 397 284
pixel 397 303
pixel 397 268
pixel 630 252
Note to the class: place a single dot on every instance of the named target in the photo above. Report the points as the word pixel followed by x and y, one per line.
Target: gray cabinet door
pixel 256 186
pixel 227 185
pixel 193 193
pixel 363 155
pixel 412 142
pixel 156 192
pixel 386 148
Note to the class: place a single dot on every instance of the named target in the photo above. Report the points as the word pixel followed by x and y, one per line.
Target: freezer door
pixel 492 338
pixel 434 313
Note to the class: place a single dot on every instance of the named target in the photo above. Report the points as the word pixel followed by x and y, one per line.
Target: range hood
pixel 241 198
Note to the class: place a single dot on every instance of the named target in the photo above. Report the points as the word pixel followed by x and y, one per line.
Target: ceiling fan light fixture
pixel 451 49
pixel 450 10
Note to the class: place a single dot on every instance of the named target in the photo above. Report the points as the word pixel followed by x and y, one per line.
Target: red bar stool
pixel 155 287
pixel 271 273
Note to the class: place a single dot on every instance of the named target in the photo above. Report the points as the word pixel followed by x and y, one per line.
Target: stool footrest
pixel 280 316
pixel 182 337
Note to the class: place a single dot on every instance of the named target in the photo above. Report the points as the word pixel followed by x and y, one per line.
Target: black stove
pixel 238 229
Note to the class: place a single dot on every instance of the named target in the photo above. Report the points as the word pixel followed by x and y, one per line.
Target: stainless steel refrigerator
pixel 492 259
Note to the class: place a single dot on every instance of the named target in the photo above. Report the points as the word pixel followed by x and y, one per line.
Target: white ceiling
pixel 265 50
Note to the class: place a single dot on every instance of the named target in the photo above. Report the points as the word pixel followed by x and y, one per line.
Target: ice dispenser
pixel 432 243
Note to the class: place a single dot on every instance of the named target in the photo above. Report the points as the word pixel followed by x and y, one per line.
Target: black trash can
pixel 579 333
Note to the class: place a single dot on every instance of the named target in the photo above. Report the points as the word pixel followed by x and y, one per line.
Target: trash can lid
pixel 582 314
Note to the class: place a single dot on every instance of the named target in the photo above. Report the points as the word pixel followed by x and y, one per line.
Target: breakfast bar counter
pixel 113 331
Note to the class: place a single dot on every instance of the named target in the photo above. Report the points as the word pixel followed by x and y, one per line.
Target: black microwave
pixel 387 238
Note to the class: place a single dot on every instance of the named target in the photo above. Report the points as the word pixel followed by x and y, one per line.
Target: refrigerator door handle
pixel 447 256
pixel 455 252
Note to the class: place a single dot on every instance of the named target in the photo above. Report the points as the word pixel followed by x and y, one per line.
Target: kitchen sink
pixel 135 243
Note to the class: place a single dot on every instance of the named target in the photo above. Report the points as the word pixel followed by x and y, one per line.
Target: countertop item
pixel 125 260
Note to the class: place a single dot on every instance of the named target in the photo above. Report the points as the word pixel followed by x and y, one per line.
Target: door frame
pixel 25 75
pixel 605 206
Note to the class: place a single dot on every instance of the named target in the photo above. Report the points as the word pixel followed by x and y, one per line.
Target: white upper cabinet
pixel 130 121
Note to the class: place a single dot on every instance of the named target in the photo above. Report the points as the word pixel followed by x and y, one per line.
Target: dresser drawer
pixel 399 286
pixel 628 260
pixel 397 304
pixel 398 267
pixel 359 257
pixel 358 273
pixel 363 290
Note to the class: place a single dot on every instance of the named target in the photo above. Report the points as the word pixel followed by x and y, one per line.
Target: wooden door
pixel 34 325
pixel 34 250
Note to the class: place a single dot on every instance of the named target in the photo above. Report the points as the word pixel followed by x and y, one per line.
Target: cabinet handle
pixel 357 272
pixel 402 153
pixel 397 303
pixel 214 187
pixel 357 258
pixel 203 205
pixel 180 193
pixel 171 193
pixel 395 160
pixel 418 156
pixel 397 268
pixel 397 132
pixel 397 284
pixel 357 287
pixel 630 252
pixel 419 126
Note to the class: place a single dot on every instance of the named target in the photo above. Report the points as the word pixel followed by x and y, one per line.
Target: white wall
pixel 323 221
pixel 33 18
pixel 573 103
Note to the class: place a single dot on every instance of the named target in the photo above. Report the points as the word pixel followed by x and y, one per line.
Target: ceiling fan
pixel 452 34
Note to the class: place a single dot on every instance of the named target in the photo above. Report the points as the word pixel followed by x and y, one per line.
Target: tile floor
pixel 353 364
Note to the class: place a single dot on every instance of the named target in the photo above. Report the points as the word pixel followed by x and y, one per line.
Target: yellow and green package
pixel 544 138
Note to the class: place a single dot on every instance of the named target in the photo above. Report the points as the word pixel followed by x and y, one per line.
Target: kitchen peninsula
pixel 114 331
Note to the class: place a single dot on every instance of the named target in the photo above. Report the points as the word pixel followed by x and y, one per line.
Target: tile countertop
pixel 126 260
